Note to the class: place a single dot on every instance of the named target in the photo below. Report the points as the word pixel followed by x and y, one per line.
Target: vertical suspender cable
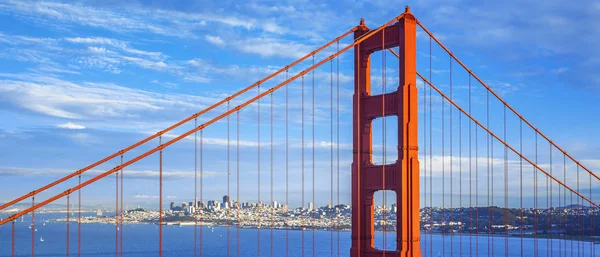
pixel 120 223
pixel 535 193
pixel 572 225
pixel 338 146
pixel 592 227
pixel 550 212
pixel 116 214
pixel 425 158
pixel 547 213
pixel 488 171
pixel 68 222
pixel 33 227
pixel 430 157
pixel 331 204
pixel 451 180
pixel 476 191
pixel 287 169
pixel 228 186
pixel 121 218
pixel 313 157
pixel 460 182
pixel 12 243
pixel 258 166
pixel 505 188
pixel 444 223
pixel 79 217
pixel 302 211
pixel 272 201
pixel 492 191
pixel 565 203
pixel 237 180
pixel 521 182
pixel 580 227
pixel 470 178
pixel 198 207
pixel 160 214
pixel 201 192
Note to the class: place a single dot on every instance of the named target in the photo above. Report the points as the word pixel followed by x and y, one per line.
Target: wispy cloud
pixel 70 125
pixel 130 174
pixel 55 97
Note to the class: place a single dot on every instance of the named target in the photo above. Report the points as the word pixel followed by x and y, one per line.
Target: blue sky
pixel 81 80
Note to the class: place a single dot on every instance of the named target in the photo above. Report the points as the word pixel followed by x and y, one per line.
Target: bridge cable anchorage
pixel 493 135
pixel 198 206
pixel 178 138
pixel 488 88
pixel 196 115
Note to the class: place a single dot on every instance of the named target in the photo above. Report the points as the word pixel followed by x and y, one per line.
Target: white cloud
pixel 132 18
pixel 59 98
pixel 271 47
pixel 215 40
pixel 70 125
pixel 128 174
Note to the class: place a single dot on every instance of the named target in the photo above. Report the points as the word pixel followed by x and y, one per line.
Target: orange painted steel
pixel 154 150
pixel 401 177
pixel 504 102
pixel 507 145
pixel 41 189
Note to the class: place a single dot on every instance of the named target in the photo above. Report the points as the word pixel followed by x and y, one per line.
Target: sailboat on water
pixel 41 239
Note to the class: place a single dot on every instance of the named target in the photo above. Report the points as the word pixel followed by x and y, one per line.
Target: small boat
pixel 44 223
pixel 36 230
pixel 41 239
pixel 29 226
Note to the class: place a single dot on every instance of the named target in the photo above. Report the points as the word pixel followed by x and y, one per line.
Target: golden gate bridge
pixel 489 161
